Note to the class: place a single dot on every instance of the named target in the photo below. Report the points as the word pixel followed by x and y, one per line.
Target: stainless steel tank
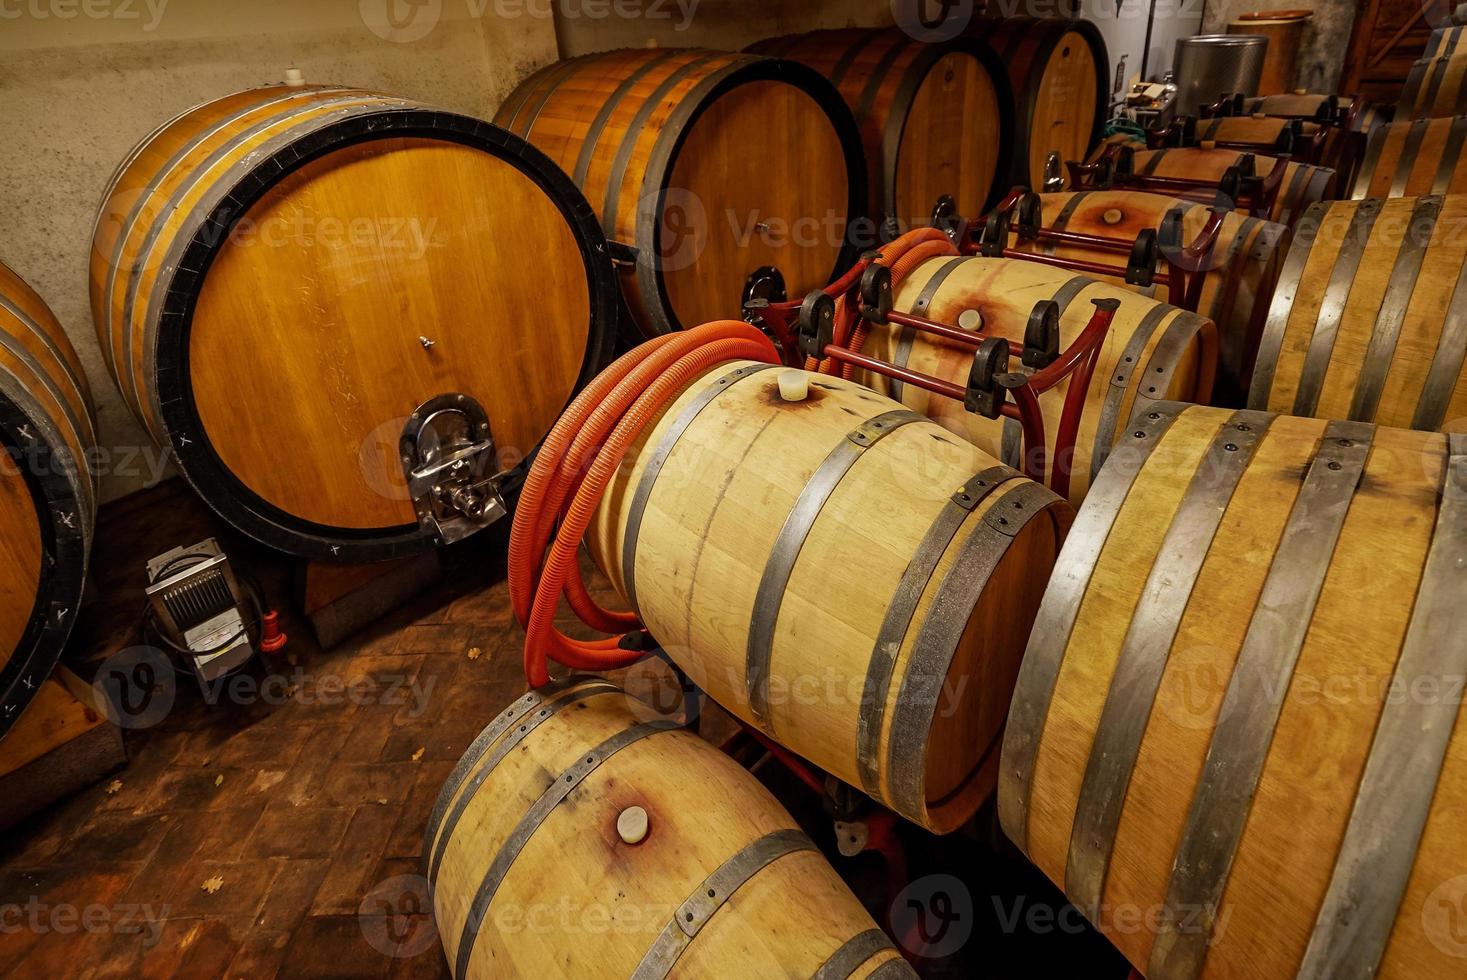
pixel 1211 65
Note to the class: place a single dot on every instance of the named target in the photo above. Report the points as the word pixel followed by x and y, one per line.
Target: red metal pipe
pixel 924 381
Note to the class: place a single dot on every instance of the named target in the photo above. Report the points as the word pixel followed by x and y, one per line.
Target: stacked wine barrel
pixel 1436 87
pixel 48 495
pixel 1422 156
pixel 710 165
pixel 1236 739
pixel 282 277
pixel 936 119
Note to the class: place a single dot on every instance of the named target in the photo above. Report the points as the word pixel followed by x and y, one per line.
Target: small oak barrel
pixel 1423 156
pixel 1435 87
pixel 1153 351
pixel 1233 741
pixel 1363 116
pixel 840 573
pixel 1369 319
pixel 1238 275
pixel 712 165
pixel 936 119
pixel 1060 72
pixel 1303 183
pixel 582 836
pixel 1445 42
pixel 282 277
pixel 48 496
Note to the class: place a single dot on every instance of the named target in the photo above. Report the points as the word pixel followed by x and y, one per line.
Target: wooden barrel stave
pixel 1423 156
pixel 276 166
pixel 48 491
pixel 1364 321
pixel 709 823
pixel 1236 288
pixel 702 549
pixel 1060 90
pixel 935 119
pixel 1135 714
pixel 1175 350
pixel 1435 88
pixel 638 131
pixel 1445 42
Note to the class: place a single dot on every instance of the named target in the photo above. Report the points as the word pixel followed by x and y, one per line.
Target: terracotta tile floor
pixel 304 814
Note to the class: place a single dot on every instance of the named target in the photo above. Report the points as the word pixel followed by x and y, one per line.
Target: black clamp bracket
pixel 816 328
pixel 987 390
pixel 1042 336
pixel 876 294
pixel 1141 264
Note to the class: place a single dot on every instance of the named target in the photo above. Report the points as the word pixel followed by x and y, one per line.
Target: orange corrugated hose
pixel 622 402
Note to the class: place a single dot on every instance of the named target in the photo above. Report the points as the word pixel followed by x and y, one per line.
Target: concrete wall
pixel 583 26
pixel 81 81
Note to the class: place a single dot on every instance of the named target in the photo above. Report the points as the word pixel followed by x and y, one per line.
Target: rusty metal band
pixel 1254 700
pixel 561 787
pixel 838 73
pixel 1148 169
pixel 1427 104
pixel 1446 363
pixel 529 88
pixel 1411 91
pixel 1392 313
pixel 1373 149
pixel 1063 218
pixel 558 73
pixel 1451 156
pixel 852 954
pixel 878 76
pixel 1409 151
pixel 634 131
pixel 1264 245
pixel 1161 368
pixel 903 352
pixel 1011 445
pixel 1272 342
pixel 710 896
pixel 220 188
pixel 1106 433
pixel 1332 307
pixel 1039 670
pixel 791 540
pixel 1378 851
pixel 81 424
pixel 124 372
pixel 957 596
pixel 505 738
pixel 1144 652
pixel 893 969
pixel 1298 186
pixel 638 508
pixel 899 612
pixel 598 124
pixel 1318 184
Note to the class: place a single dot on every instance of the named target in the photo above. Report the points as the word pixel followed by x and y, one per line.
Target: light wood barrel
pixel 712 165
pixel 840 573
pixel 1303 183
pixel 1285 32
pixel 1238 278
pixel 1445 42
pixel 1153 351
pixel 281 277
pixel 533 876
pixel 48 492
pixel 936 119
pixel 1262 134
pixel 1233 741
pixel 1294 105
pixel 1060 72
pixel 1435 88
pixel 1369 320
pixel 1423 156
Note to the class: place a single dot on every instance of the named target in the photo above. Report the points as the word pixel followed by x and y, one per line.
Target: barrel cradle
pixel 1152 351
pixel 1227 766
pixel 1435 88
pixel 1238 272
pixel 935 119
pixel 1423 156
pixel 838 572
pixel 48 492
pixel 1369 320
pixel 1060 72
pixel 693 864
pixel 710 165
pixel 290 287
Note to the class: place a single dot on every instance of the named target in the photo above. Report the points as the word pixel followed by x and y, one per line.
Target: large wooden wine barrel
pixel 1233 741
pixel 1369 320
pixel 712 165
pixel 1303 184
pixel 1423 156
pixel 1435 87
pixel 1237 277
pixel 1060 72
pixel 282 277
pixel 1153 351
pixel 838 572
pixel 671 859
pixel 936 119
pixel 48 496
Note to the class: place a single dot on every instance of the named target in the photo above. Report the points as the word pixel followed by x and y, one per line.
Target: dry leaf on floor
pixel 474 653
pixel 213 884
pixel 419 754
pixel 114 786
